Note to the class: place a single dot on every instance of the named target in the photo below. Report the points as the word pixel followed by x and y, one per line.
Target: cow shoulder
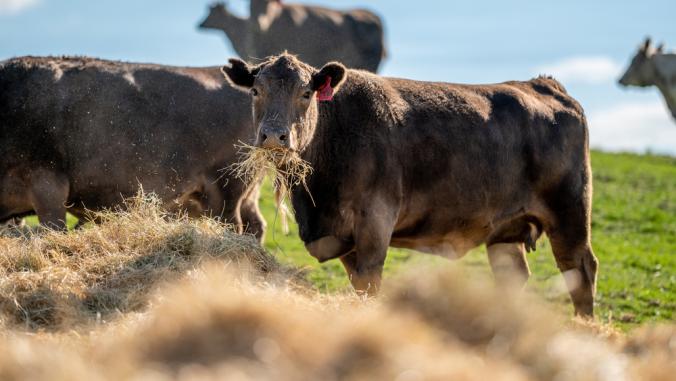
pixel 374 98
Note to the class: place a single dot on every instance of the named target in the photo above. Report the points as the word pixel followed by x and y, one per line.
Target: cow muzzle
pixel 274 138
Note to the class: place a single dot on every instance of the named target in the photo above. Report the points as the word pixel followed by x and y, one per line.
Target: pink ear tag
pixel 325 92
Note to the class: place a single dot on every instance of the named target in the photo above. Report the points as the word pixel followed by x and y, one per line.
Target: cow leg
pixel 222 204
pixel 250 214
pixel 364 265
pixel 237 205
pixel 15 222
pixel 579 266
pixel 508 262
pixel 570 237
pixel 365 272
pixel 252 218
pixel 48 193
pixel 194 205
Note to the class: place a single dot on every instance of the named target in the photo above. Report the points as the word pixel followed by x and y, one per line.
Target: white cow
pixel 652 67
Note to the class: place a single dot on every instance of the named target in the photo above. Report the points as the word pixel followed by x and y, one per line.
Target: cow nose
pixel 274 138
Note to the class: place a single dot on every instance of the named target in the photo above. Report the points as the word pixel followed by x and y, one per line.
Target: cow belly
pixel 451 245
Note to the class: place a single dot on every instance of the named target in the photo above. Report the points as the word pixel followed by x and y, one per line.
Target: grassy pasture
pixel 634 237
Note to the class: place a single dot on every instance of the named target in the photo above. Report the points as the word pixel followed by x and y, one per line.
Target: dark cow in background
pixel 81 133
pixel 435 167
pixel 316 34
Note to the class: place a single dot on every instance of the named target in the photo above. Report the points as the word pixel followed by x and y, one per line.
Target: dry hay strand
pixel 286 167
pixel 603 330
pixel 54 279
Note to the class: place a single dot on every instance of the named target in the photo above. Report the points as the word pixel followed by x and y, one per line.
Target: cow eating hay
pixel 439 168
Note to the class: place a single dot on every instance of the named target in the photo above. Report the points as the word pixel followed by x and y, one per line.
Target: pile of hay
pixel 191 301
pixel 54 279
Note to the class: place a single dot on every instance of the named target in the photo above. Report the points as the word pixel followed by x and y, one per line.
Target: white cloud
pixel 15 6
pixel 636 127
pixel 592 69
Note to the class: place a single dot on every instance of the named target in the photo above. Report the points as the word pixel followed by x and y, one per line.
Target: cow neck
pixel 319 152
pixel 364 104
pixel 237 30
pixel 663 84
pixel 313 206
pixel 341 132
pixel 669 98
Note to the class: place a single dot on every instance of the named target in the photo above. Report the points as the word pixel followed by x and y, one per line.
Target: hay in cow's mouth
pixel 288 169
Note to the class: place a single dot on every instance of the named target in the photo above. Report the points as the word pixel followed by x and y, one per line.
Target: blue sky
pixel 586 44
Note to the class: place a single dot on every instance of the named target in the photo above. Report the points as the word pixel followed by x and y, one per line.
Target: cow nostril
pixel 282 138
pixel 264 137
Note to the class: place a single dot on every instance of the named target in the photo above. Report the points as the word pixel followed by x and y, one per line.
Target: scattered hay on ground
pixel 50 279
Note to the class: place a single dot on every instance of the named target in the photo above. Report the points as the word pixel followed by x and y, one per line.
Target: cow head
pixel 285 92
pixel 216 17
pixel 641 71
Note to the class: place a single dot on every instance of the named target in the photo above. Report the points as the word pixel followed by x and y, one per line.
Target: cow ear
pixel 328 79
pixel 239 73
pixel 646 44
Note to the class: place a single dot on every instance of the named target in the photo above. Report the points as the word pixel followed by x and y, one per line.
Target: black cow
pixel 82 133
pixel 434 167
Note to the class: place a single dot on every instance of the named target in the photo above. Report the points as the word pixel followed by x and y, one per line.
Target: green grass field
pixel 634 237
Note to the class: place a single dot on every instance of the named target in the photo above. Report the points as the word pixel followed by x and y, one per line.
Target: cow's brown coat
pixel 317 34
pixel 81 133
pixel 435 167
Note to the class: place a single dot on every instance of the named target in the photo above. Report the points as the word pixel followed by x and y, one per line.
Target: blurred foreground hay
pixel 188 300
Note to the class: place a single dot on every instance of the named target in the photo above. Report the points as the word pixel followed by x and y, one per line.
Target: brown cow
pixel 81 133
pixel 435 167
pixel 318 35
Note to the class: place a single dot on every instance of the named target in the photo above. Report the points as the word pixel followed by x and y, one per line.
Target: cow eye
pixel 254 92
pixel 307 94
